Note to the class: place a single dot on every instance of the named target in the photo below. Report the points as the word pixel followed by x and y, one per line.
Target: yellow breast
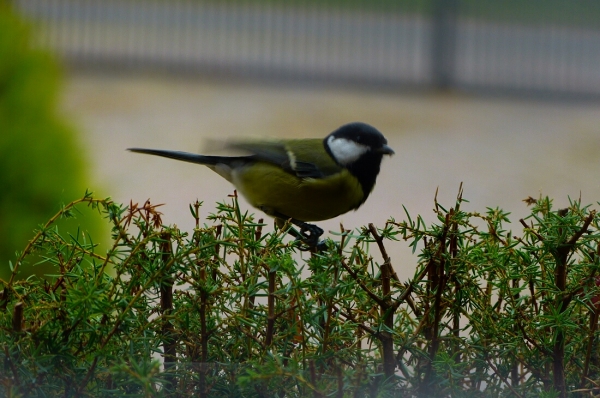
pixel 269 188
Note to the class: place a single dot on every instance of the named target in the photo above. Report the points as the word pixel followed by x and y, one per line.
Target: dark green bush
pixel 41 162
pixel 230 310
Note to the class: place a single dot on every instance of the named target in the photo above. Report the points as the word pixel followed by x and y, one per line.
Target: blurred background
pixel 502 95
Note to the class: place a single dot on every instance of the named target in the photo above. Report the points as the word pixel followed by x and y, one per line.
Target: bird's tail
pixel 184 156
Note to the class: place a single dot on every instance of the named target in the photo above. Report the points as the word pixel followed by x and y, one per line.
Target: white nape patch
pixel 346 151
pixel 292 159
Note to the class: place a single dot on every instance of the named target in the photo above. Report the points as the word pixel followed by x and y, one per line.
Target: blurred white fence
pixel 435 43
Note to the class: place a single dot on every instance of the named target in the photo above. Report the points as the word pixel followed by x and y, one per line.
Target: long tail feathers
pixel 184 156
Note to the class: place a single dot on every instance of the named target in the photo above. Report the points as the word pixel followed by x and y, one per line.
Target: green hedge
pixel 230 310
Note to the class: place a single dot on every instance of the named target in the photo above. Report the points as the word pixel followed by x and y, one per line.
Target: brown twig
pixel 386 308
pixel 438 282
pixel 313 379
pixel 203 331
pixel 258 232
pixel 561 256
pixel 506 383
pixel 382 250
pixel 349 316
pixel 531 341
pixel 591 341
pixel 166 306
pixel 8 361
pixel 540 237
pixel 271 309
pixel 17 319
pixel 361 284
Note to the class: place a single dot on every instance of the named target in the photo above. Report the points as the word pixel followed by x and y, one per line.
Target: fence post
pixel 444 42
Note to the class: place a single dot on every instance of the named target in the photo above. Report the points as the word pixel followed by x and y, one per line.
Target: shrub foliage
pixel 41 160
pixel 230 310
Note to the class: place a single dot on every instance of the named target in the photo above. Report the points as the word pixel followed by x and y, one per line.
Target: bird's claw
pixel 306 247
pixel 309 235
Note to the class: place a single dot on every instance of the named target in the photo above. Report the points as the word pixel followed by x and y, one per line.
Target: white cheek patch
pixel 346 151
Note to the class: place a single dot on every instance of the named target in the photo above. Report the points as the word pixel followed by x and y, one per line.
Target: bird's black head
pixel 359 147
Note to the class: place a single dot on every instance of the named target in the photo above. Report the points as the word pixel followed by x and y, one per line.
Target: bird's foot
pixel 319 247
pixel 310 235
pixel 307 237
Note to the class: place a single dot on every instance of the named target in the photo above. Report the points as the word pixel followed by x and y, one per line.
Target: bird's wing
pixel 268 151
pixel 304 158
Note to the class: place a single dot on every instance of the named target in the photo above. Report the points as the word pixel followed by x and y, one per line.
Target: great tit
pixel 301 179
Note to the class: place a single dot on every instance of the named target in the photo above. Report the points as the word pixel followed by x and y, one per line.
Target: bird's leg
pixel 308 234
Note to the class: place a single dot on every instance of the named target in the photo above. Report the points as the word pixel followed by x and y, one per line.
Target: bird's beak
pixel 385 150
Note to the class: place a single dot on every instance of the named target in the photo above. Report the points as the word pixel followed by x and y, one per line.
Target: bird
pixel 300 180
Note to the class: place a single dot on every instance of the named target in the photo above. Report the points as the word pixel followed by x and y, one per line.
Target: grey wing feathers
pixel 276 153
pixel 272 152
pixel 307 170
